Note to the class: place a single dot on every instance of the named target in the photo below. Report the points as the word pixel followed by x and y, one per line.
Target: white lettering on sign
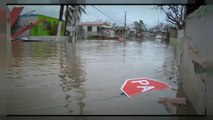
pixel 143 82
pixel 146 88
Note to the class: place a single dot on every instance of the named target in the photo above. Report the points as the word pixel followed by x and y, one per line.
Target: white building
pixel 95 29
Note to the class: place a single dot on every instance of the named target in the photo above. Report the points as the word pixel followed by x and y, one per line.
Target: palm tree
pixel 72 16
pixel 139 26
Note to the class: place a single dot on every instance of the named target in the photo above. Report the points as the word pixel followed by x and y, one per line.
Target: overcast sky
pixel 146 13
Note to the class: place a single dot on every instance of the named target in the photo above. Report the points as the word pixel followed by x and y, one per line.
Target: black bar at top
pixel 98 2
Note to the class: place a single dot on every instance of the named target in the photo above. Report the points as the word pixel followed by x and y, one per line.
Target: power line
pixel 118 19
pixel 107 15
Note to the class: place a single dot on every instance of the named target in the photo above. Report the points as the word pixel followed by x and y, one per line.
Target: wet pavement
pixel 48 78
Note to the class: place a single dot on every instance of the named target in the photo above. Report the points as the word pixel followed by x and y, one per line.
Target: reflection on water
pixel 85 77
pixel 72 76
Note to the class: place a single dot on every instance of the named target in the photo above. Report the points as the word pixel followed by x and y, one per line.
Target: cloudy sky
pixel 116 13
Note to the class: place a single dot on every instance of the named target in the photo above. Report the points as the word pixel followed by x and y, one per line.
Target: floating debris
pixel 175 101
pixel 169 102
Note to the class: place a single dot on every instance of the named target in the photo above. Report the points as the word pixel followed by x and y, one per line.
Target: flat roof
pixel 91 23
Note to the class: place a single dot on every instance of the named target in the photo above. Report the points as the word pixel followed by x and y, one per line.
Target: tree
pixel 74 12
pixel 145 28
pixel 139 27
pixel 72 16
pixel 174 15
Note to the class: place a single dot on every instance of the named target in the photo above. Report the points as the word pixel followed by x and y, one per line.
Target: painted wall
pixel 192 56
pixel 45 28
pixel 93 32
pixel 23 22
pixel 94 29
pixel 42 28
pixel 86 34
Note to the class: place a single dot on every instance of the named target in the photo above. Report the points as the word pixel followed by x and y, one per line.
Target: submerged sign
pixel 142 85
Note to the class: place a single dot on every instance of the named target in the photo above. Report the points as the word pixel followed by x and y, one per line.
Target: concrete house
pixel 46 28
pixel 95 30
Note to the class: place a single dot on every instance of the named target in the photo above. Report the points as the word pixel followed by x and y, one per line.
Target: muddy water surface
pixel 85 78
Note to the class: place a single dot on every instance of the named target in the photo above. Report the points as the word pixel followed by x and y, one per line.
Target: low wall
pixel 192 57
pixel 47 38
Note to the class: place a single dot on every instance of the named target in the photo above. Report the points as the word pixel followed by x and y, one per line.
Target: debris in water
pixel 169 107
pixel 169 102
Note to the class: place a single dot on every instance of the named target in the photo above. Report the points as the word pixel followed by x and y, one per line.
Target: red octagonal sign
pixel 142 85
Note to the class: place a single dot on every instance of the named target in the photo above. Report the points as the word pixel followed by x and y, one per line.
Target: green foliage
pixel 168 27
pixel 139 26
pixel 73 14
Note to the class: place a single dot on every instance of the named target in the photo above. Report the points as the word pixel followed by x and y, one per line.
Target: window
pixel 89 28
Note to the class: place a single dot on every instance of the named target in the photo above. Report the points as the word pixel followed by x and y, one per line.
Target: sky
pixel 146 13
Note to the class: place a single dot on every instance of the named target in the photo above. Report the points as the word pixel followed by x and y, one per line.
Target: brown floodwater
pixel 48 78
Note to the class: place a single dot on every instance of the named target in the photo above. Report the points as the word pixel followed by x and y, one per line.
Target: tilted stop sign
pixel 142 85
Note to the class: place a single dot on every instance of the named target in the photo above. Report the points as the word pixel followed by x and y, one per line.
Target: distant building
pixel 95 29
pixel 132 32
pixel 119 31
pixel 46 28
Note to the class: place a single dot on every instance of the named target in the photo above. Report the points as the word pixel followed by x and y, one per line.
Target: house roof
pixel 28 15
pixel 91 23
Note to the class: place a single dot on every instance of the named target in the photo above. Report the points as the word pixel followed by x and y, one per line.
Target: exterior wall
pixel 41 30
pixel 173 33
pixel 94 29
pixel 86 33
pixel 23 22
pixel 112 33
pixel 191 52
pixel 95 33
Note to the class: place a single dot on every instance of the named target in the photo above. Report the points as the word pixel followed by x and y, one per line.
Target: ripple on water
pixel 96 62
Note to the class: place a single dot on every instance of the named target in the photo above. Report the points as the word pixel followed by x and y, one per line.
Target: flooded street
pixel 85 78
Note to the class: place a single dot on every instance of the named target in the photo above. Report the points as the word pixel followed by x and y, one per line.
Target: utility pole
pixel 125 26
pixel 158 26
pixel 60 22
